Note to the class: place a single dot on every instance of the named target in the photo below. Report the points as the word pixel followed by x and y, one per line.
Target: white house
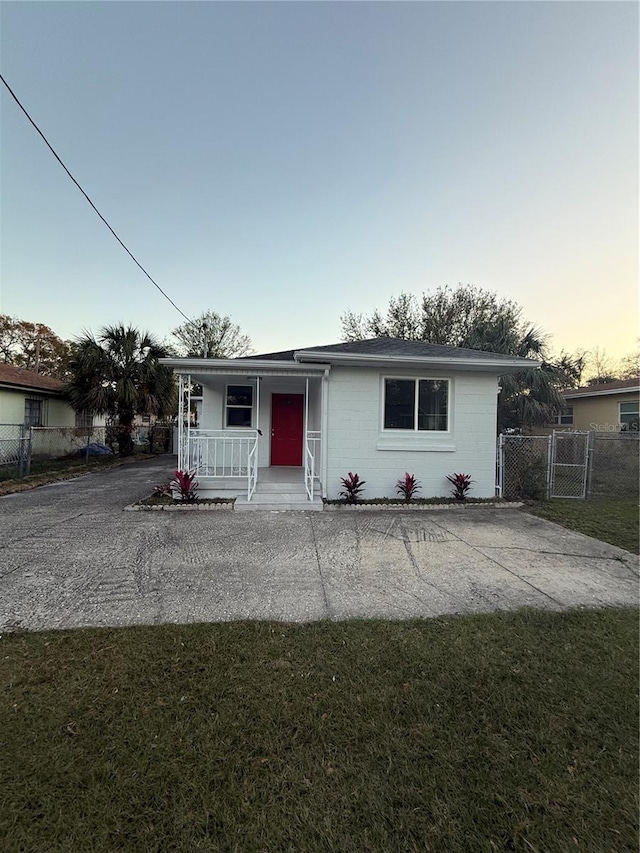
pixel 281 429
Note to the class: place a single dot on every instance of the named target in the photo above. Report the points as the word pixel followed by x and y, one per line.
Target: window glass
pixel 240 395
pixel 432 404
pixel 566 415
pixel 630 416
pixel 239 405
pixel 399 404
pixel 32 412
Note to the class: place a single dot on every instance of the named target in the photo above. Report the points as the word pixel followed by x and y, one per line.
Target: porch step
pixel 273 502
pixel 267 488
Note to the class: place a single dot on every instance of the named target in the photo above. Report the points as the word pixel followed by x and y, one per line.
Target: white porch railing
pixel 252 476
pixel 311 461
pixel 222 454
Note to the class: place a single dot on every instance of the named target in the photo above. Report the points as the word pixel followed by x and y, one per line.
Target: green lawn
pixel 611 520
pixel 508 732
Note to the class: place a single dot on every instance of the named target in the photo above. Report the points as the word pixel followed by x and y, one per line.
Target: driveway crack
pixel 325 595
pixel 504 568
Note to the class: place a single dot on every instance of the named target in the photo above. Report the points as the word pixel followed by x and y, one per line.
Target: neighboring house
pixel 609 407
pixel 305 418
pixel 33 400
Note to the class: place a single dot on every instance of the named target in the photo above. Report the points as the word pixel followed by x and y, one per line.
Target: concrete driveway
pixel 70 556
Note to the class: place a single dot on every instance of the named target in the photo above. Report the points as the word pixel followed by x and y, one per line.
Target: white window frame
pixel 35 398
pixel 227 406
pixel 416 380
pixel 559 420
pixel 634 414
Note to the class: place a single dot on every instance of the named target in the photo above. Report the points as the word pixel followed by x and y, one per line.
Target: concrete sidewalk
pixel 69 557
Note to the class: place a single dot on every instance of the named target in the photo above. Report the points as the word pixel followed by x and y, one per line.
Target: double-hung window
pixel 416 404
pixel 34 414
pixel 629 416
pixel 565 416
pixel 239 407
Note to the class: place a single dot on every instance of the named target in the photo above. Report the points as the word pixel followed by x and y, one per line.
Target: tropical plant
pixel 461 485
pixel 118 374
pixel 164 490
pixel 186 484
pixel 407 486
pixel 352 487
pixel 474 318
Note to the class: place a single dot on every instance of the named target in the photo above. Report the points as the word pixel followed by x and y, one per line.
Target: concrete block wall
pixel 357 442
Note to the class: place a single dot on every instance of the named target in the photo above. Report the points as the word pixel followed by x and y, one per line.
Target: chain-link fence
pixel 523 466
pixel 22 448
pixel 14 450
pixel 615 461
pixel 568 464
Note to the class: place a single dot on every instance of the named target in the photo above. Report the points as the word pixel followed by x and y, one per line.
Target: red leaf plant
pixel 408 486
pixel 186 484
pixel 353 485
pixel 461 485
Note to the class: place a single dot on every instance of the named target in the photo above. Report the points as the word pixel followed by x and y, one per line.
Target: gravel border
pixel 395 507
pixel 403 507
pixel 207 507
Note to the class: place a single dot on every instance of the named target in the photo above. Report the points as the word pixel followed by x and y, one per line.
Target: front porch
pixel 256 435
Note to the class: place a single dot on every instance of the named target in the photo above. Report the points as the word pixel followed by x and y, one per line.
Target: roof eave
pixel 499 365
pixel 234 365
pixel 607 393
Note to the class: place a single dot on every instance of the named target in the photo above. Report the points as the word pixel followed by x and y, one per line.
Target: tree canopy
pixel 214 334
pixel 118 374
pixel 33 346
pixel 470 317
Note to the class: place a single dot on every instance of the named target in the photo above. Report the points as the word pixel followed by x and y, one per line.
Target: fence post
pixel 29 449
pixel 550 451
pixel 590 451
pixel 21 451
pixel 500 477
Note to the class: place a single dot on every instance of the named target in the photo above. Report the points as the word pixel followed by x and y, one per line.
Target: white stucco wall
pixel 357 442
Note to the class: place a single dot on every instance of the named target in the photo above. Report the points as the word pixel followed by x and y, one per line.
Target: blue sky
pixel 285 162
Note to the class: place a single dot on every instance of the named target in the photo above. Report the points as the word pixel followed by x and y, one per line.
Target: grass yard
pixel 506 732
pixel 611 520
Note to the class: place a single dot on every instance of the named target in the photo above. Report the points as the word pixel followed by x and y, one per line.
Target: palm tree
pixel 118 374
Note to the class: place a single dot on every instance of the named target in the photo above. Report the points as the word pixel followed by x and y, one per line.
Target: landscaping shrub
pixel 186 484
pixel 461 485
pixel 353 486
pixel 407 486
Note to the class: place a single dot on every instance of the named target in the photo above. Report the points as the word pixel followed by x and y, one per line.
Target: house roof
pixel 394 349
pixel 379 353
pixel 19 378
pixel 620 386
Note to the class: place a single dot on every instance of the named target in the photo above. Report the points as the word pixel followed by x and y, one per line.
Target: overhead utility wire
pixel 131 255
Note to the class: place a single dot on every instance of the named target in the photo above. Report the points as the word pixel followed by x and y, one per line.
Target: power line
pixel 131 255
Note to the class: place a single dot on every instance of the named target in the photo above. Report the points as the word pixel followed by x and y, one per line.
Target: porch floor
pixel 281 474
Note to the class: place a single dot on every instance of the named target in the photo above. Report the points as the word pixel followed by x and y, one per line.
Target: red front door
pixel 287 423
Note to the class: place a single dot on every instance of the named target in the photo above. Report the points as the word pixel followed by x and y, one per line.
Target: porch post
pixel 306 411
pixel 188 468
pixel 325 426
pixel 180 421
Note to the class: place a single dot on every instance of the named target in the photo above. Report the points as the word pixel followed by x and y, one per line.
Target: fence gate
pixel 569 465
